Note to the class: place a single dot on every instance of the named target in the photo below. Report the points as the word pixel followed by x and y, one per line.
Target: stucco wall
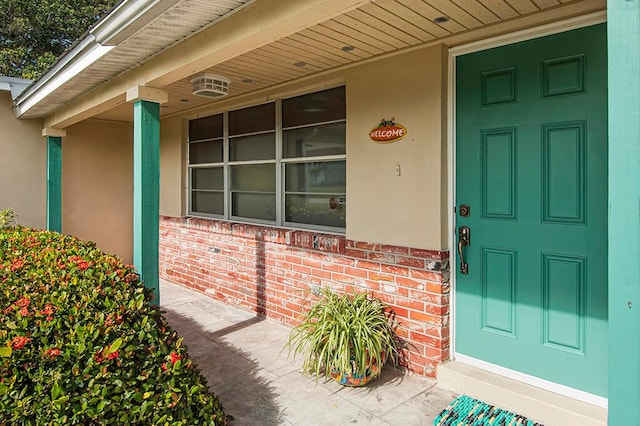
pixel 97 185
pixel 382 207
pixel 394 191
pixel 173 184
pixel 23 166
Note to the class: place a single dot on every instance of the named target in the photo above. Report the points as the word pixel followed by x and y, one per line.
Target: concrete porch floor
pixel 242 358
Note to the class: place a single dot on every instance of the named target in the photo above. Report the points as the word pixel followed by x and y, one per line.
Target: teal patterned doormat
pixel 468 411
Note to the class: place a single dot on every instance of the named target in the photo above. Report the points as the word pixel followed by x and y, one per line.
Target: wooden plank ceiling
pixel 375 28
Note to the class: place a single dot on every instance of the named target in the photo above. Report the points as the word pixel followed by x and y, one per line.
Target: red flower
pixel 113 355
pixel 174 357
pixel 23 302
pixel 52 352
pixel 164 366
pixel 48 310
pixel 83 265
pixel 18 342
pixel 24 311
pixel 17 264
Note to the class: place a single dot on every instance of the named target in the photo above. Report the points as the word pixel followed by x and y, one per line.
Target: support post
pixel 146 184
pixel 623 40
pixel 54 178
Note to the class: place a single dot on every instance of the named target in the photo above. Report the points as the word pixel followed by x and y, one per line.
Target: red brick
pixel 394 249
pixel 361 273
pixel 425 275
pixel 376 276
pixel 360 254
pixel 343 278
pixel 293 259
pixel 320 273
pixel 427 340
pixel 428 254
pixel 366 246
pixel 413 262
pixel 433 353
pixel 436 309
pixel 302 269
pixel 311 263
pixel 433 298
pixel 251 254
pixel 416 305
pixel 333 267
pixel 382 258
pixel 435 288
pixel 395 270
pixel 367 265
pixel 410 283
pixel 400 312
pixel 425 318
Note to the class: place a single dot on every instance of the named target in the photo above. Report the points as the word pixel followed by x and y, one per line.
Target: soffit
pixel 373 29
pixel 180 21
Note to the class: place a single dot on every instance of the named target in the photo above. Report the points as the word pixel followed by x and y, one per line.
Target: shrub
pixel 7 218
pixel 80 343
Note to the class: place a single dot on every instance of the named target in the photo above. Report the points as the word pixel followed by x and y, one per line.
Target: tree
pixel 33 33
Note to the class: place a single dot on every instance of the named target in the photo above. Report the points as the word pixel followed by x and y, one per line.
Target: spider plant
pixel 345 334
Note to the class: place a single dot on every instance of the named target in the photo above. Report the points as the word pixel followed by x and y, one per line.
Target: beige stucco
pixel 173 183
pixel 97 185
pixel 23 166
pixel 394 191
pixel 382 207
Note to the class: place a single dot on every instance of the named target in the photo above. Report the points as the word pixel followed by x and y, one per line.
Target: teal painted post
pixel 54 183
pixel 146 192
pixel 623 28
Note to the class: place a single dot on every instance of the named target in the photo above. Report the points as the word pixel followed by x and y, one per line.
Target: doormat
pixel 468 411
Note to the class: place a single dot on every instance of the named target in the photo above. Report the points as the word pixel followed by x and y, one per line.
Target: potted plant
pixel 347 337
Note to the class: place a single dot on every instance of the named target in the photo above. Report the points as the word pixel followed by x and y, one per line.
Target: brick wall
pixel 272 271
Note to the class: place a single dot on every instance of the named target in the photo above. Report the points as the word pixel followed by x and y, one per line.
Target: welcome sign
pixel 387 132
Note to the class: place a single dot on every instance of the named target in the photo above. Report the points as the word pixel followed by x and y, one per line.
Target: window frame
pixel 279 162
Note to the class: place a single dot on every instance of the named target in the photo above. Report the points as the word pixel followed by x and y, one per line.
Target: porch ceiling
pixel 374 28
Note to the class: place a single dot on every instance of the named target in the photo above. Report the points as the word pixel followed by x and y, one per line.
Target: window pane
pixel 256 147
pixel 254 177
pixel 329 139
pixel 207 202
pixel 318 107
pixel 212 178
pixel 205 128
pixel 326 176
pixel 205 152
pixel 259 118
pixel 324 210
pixel 254 205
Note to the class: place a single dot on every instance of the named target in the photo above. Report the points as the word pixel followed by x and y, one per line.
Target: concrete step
pixel 548 408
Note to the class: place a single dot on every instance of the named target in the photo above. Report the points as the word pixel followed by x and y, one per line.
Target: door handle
pixel 464 239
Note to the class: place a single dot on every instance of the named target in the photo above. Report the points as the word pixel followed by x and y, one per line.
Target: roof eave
pixel 122 22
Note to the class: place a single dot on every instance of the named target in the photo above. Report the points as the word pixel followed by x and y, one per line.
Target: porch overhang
pixel 256 44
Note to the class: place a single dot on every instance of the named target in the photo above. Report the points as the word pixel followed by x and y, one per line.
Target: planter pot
pixel 350 378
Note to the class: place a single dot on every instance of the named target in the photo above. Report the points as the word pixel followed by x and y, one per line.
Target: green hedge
pixel 80 343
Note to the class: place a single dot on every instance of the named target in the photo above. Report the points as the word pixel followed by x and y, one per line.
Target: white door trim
pixel 503 40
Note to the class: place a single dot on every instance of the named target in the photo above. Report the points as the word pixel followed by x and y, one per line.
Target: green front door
pixel 531 165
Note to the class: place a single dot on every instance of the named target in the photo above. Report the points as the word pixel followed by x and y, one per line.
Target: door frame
pixel 477 46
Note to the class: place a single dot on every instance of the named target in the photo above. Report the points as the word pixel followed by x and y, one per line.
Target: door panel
pixel 531 152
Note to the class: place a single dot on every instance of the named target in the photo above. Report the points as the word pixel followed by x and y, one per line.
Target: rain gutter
pixel 125 20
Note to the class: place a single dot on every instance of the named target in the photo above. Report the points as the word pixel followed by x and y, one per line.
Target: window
pixel 282 162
